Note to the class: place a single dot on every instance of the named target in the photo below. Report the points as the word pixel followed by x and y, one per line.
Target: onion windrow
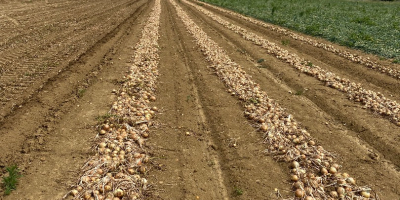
pixel 374 101
pixel 116 170
pixel 286 140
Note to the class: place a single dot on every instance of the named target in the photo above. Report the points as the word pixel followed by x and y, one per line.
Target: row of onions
pixel 314 173
pixel 374 101
pixel 116 171
pixel 366 61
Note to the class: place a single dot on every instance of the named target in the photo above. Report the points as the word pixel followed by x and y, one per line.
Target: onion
pixel 106 127
pixel 299 193
pixel 119 193
pixel 85 179
pixel 74 193
pixel 351 181
pixel 297 185
pixel 294 178
pixel 340 190
pixel 341 182
pixel 333 194
pixel 335 165
pixel 365 194
pixel 102 145
pixel 107 188
pixel 145 135
pixel 324 171
pixel 264 127
pixel 308 190
pixel 308 198
pixel 294 164
pixel 131 171
pixel 87 195
pixel 332 170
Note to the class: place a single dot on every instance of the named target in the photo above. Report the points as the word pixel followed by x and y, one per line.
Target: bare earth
pixel 60 60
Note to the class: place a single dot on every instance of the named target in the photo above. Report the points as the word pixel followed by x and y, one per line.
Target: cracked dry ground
pixel 60 61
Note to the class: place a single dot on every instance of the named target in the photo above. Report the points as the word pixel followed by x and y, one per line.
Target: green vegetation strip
pixel 371 26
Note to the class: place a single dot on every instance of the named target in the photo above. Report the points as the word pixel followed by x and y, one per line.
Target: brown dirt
pixel 50 135
pixel 60 61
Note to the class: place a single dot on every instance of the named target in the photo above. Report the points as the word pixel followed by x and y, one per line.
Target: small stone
pixel 214 147
pixel 373 156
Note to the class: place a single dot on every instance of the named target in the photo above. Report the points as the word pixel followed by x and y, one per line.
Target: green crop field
pixel 372 26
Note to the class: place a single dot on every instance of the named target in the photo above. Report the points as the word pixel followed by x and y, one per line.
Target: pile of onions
pixel 115 171
pixel 374 101
pixel 345 54
pixel 314 173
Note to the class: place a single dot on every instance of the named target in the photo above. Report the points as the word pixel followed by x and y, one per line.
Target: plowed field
pixel 177 99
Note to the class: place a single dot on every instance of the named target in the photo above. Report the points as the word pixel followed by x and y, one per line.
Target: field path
pixel 205 142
